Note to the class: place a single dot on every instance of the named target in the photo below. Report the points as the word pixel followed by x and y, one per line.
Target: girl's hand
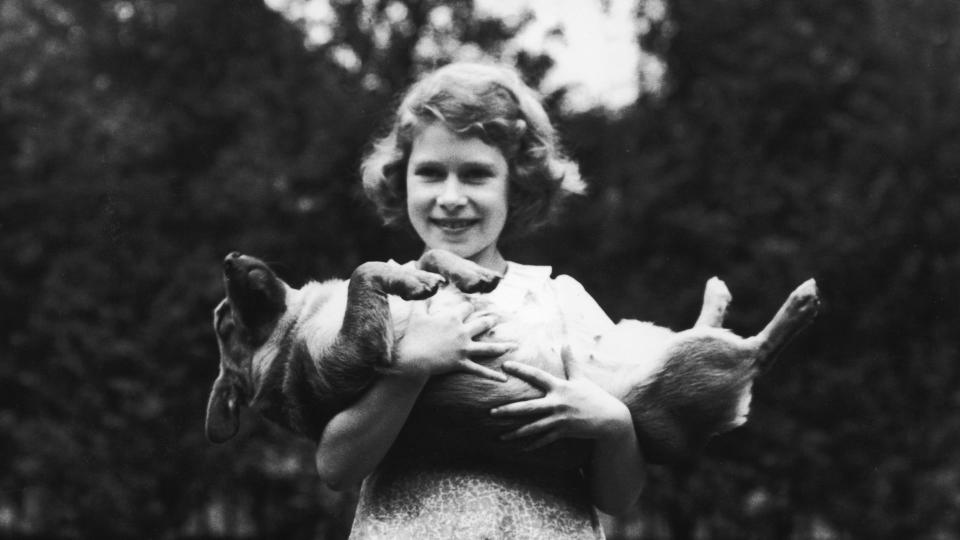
pixel 576 407
pixel 441 341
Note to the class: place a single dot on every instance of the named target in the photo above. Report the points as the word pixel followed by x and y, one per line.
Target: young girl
pixel 472 158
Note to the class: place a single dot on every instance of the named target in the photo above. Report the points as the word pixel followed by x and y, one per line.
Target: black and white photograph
pixel 480 269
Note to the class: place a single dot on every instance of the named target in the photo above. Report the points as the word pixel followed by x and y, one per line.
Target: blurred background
pixel 762 141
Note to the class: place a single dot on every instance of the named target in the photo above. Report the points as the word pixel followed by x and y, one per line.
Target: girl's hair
pixel 489 102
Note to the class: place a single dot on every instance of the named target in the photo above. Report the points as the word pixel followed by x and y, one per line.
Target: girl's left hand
pixel 575 407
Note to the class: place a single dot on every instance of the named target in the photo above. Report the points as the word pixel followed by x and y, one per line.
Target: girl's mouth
pixel 453 225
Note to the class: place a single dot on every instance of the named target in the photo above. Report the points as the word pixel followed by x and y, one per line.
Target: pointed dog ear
pixel 223 410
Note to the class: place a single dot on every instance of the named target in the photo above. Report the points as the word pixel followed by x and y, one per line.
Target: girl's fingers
pixel 523 408
pixel 489 349
pixel 482 371
pixel 532 375
pixel 541 441
pixel 463 310
pixel 533 428
pixel 480 325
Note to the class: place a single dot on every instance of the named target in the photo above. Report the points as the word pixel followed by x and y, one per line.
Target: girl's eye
pixel 476 175
pixel 428 172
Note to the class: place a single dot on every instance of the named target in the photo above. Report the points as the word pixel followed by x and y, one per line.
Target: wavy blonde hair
pixel 489 102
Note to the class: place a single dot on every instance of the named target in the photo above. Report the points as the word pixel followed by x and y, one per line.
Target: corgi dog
pixel 299 356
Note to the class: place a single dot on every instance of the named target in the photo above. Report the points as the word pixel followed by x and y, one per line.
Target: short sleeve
pixel 583 316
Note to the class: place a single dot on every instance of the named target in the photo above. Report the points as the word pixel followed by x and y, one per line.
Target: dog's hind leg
pixel 716 298
pixel 795 314
pixel 466 275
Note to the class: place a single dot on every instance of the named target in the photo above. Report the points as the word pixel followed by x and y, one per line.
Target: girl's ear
pixel 223 410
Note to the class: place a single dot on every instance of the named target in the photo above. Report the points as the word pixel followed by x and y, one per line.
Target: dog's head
pixel 243 322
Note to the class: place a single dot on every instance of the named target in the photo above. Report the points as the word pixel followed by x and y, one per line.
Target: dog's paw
pixel 805 300
pixel 420 285
pixel 475 279
pixel 716 298
pixel 716 292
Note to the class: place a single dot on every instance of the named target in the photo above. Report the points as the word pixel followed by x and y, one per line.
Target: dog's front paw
pixel 467 276
pixel 420 285
pixel 475 279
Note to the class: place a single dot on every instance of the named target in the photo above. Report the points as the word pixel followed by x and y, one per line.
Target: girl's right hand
pixel 442 341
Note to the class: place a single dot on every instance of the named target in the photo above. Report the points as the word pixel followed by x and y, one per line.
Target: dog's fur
pixel 301 355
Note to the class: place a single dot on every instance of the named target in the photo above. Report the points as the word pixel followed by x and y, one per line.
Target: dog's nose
pixel 232 256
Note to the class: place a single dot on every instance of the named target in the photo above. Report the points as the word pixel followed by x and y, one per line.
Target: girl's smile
pixel 454 226
pixel 457 194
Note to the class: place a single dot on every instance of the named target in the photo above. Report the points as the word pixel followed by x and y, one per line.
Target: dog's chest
pixel 535 323
pixel 529 315
pixel 319 310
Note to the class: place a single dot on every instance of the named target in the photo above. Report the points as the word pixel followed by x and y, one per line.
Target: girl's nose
pixel 451 197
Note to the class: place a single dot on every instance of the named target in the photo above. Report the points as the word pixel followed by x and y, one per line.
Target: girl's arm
pixel 576 407
pixel 356 439
pixel 616 472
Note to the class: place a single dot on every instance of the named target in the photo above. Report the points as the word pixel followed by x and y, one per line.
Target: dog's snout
pixel 231 257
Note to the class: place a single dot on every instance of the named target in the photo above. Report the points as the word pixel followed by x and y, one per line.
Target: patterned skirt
pixel 411 499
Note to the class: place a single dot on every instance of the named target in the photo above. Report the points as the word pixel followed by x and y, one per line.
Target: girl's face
pixel 457 194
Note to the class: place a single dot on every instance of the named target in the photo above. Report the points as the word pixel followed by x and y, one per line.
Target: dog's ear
pixel 223 410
